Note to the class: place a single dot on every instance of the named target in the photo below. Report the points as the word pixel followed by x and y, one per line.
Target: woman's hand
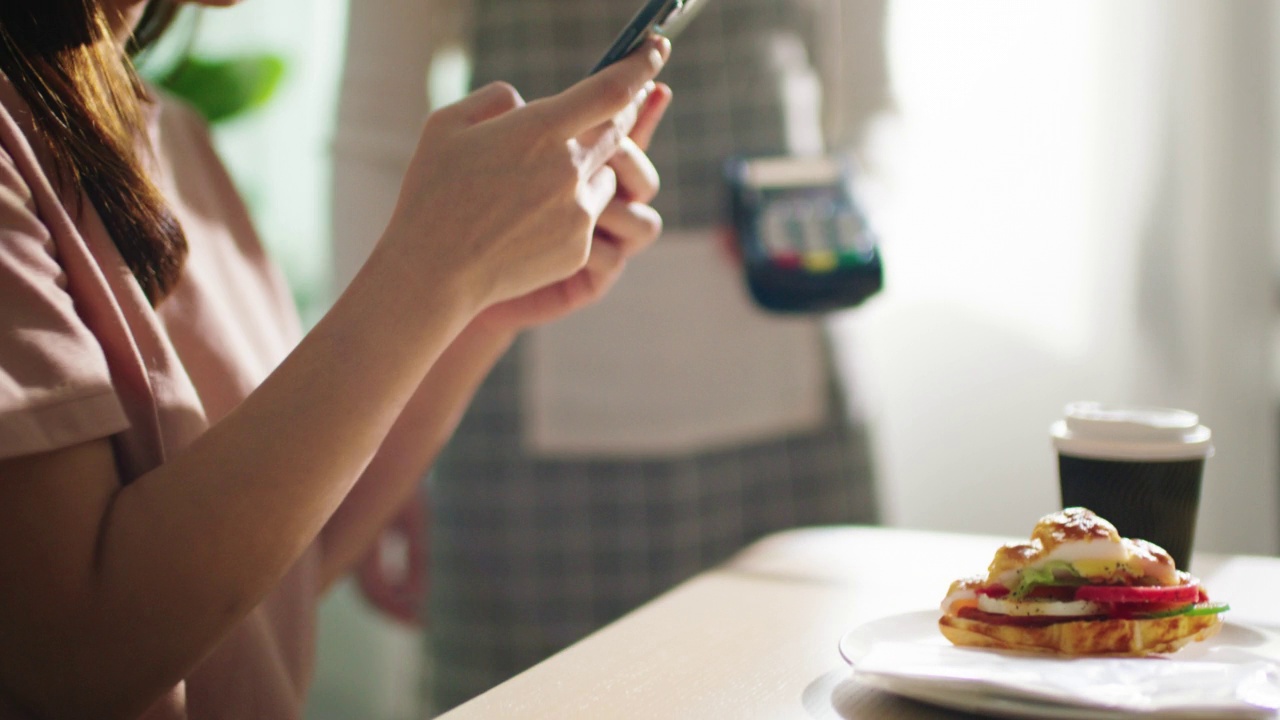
pixel 503 198
pixel 393 575
pixel 627 226
pixel 479 201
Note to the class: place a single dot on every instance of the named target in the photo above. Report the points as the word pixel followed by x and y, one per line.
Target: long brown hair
pixel 87 104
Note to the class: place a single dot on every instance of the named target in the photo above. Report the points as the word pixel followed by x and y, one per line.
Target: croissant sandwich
pixel 1078 588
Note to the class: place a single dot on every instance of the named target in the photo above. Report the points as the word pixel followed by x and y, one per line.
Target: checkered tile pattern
pixel 529 554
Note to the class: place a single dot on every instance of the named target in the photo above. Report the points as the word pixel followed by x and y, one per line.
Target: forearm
pixel 190 548
pixel 409 449
pixel 382 101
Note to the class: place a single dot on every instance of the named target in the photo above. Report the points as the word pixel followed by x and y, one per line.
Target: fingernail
pixel 663 46
pixel 643 96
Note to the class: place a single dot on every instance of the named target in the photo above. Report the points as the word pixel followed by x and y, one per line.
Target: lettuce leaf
pixel 1191 609
pixel 1055 572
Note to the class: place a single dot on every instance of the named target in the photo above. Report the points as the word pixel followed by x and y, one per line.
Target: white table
pixel 757 636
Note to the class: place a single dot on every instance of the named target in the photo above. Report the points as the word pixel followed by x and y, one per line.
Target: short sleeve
pixel 55 385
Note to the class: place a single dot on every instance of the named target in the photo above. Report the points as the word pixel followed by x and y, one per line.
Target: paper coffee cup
pixel 1138 467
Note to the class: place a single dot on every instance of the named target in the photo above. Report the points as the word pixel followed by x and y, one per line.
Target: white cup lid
pixel 1126 432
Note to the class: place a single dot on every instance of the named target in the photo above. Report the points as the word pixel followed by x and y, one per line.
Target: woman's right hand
pixel 626 227
pixel 505 195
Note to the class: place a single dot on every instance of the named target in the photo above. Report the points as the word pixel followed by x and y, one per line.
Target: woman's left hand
pixel 392 576
pixel 627 226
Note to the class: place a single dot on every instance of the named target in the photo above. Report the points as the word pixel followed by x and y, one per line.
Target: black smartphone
pixel 664 17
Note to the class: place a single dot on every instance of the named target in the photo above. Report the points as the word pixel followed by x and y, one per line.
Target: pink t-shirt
pixel 83 356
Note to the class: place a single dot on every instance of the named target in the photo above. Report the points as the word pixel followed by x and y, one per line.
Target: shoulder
pixel 16 129
pixel 188 161
pixel 22 173
pixel 13 109
pixel 56 387
pixel 171 113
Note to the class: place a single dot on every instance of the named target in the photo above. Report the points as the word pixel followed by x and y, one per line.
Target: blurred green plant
pixel 222 89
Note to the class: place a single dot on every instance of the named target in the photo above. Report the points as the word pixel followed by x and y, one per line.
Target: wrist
pixel 398 307
pixel 485 335
pixel 434 284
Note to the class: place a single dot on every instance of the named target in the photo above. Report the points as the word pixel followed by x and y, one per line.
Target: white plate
pixel 1234 644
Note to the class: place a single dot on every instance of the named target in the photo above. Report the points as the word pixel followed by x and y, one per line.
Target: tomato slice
pixel 1188 593
pixel 995 591
pixel 1052 592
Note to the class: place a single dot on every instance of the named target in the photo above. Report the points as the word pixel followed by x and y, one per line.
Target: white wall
pixel 280 155
pixel 1074 202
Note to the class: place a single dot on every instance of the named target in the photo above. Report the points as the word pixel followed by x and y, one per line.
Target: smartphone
pixel 805 242
pixel 664 17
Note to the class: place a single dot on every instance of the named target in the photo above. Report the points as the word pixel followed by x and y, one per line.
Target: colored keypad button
pixel 820 261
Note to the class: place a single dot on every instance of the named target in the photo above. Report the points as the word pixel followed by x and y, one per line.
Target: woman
pixel 179 480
